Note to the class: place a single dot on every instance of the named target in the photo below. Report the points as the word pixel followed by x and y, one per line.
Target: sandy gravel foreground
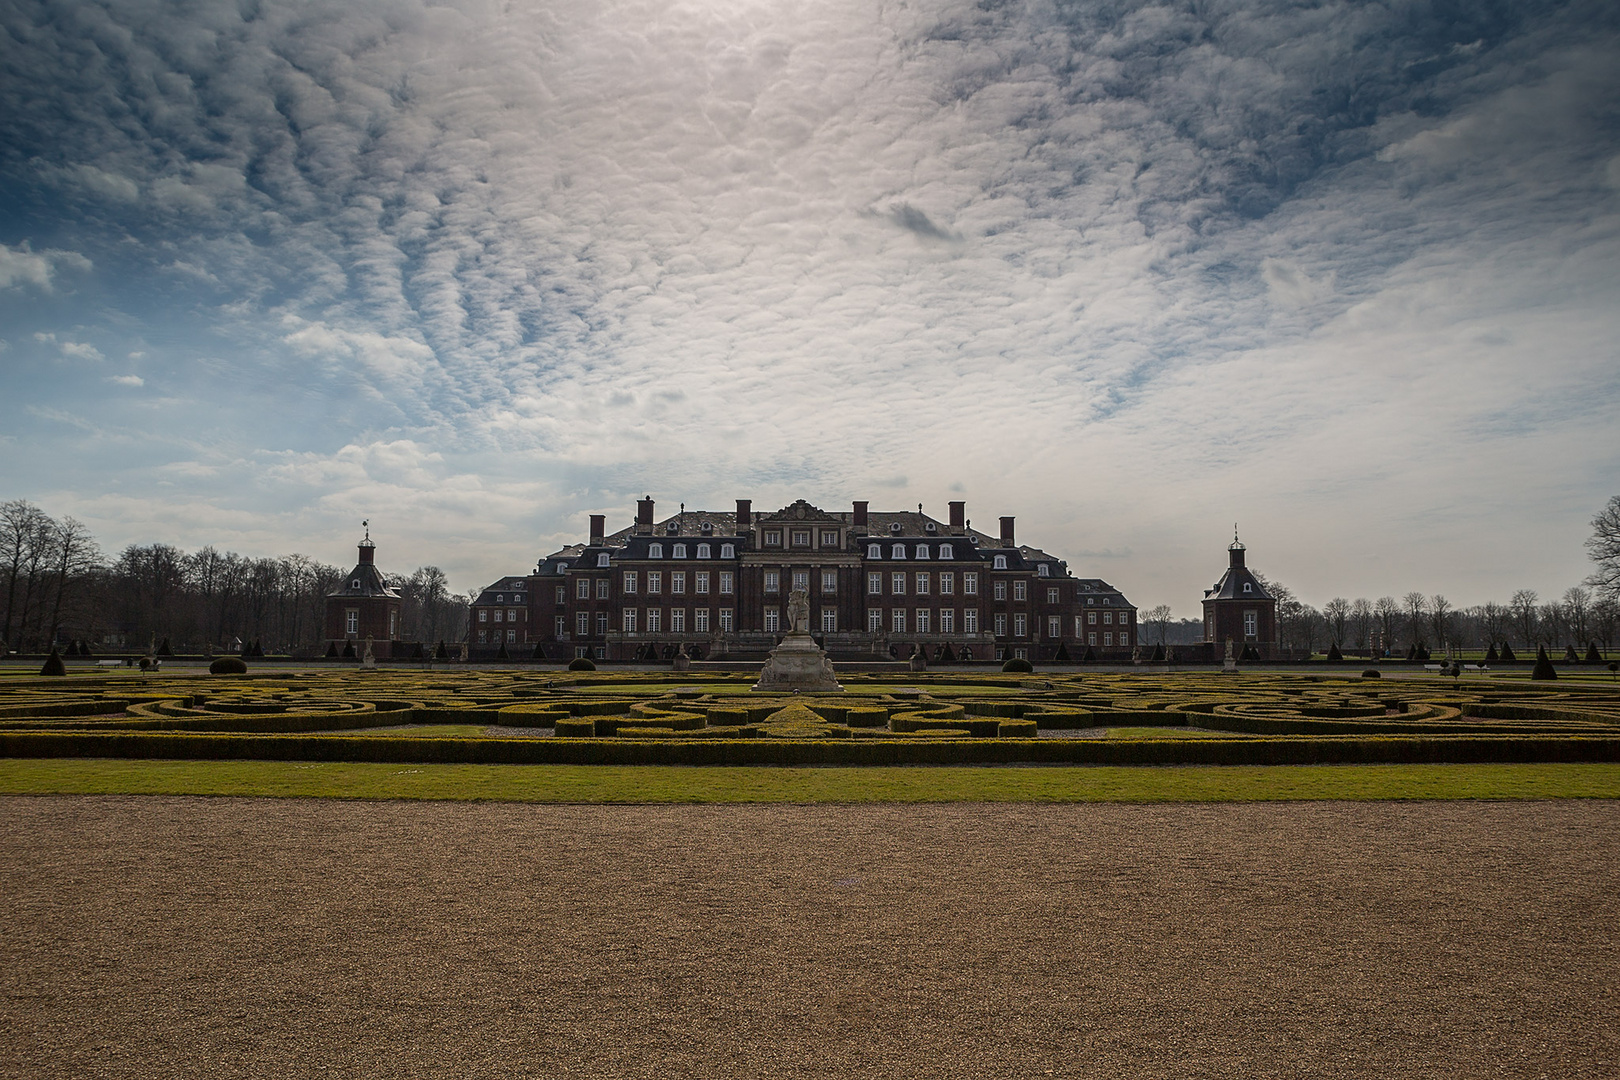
pixel 155 937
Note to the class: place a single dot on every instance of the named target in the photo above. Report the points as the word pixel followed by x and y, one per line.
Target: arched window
pixel 655 551
pixel 1001 562
pixel 945 552
pixel 1043 571
pixel 679 552
pixel 728 551
pixel 1247 587
pixel 602 559
pixel 899 552
pixel 874 551
pixel 703 551
pixel 922 551
pixel 708 527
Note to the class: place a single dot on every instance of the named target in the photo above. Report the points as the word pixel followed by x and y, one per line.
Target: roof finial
pixel 367 525
pixel 1234 532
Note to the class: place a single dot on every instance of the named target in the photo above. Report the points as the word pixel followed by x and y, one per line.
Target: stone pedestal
pixel 799 664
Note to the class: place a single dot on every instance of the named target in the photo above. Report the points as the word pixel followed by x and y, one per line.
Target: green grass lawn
pixel 661 784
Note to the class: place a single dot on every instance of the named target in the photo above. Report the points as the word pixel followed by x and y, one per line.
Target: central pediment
pixel 799 510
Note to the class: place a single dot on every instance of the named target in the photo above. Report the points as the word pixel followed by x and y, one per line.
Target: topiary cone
pixel 1544 668
pixel 53 664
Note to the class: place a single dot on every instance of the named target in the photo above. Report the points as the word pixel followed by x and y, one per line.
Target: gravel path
pixel 153 937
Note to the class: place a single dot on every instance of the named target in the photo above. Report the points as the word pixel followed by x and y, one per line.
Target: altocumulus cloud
pixel 1126 269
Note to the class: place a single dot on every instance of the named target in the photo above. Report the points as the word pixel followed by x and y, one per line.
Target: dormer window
pixel 602 559
pixel 1001 562
pixel 874 551
pixel 355 584
pixel 945 552
pixel 672 528
pixel 707 528
pixel 1043 571
pixel 728 551
pixel 899 550
pixel 500 598
pixel 922 551
pixel 678 552
pixel 1248 587
pixel 655 551
pixel 932 526
pixel 894 526
pixel 703 551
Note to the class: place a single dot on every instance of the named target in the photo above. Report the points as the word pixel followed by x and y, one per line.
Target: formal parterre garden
pixel 496 717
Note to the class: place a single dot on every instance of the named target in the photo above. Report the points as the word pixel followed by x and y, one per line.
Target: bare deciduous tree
pixel 1523 604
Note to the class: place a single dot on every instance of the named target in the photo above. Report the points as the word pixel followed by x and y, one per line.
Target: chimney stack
pixel 1007 532
pixel 598 527
pixel 958 517
pixel 745 516
pixel 644 514
pixel 858 519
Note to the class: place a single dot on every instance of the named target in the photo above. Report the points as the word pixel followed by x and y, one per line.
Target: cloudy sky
pixel 1345 273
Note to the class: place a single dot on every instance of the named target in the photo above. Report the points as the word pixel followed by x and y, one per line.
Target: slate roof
pixel 365 580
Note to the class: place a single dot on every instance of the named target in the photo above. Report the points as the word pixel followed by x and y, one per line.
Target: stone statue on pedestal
pixel 798 663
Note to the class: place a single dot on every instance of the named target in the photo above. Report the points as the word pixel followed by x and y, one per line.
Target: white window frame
pixel 922 583
pixel 602 559
pixel 1001 624
pixel 773 581
pixel 1054 626
pixel 829 582
pixel 897 551
pixel 1020 624
pixel 897 620
pixel 702 583
pixel 700 620
pixel 728 583
pixel 655 551
pixel 947 620
pixel 897 584
pixel 728 551
pixel 1000 563
pixel 874 551
pixel 678 551
pixel 829 620
pixel 998 590
pixel 922 551
pixel 677 620
pixel 1020 590
pixel 677 583
pixel 655 620
pixel 924 619
pixel 351 619
pixel 945 551
pixel 627 620
pixel 584 590
pixel 630 581
pixel 703 551
pixel 773 620
pixel 874 620
pixel 728 619
pixel 970 620
pixel 582 623
pixel 603 588
pixel 874 584
pixel 970 583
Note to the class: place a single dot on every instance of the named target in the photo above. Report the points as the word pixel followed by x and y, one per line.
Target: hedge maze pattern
pixel 690 718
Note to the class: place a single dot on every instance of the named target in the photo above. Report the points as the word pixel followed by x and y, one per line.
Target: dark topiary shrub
pixel 539 650
pixel 501 653
pixel 163 649
pixel 1543 668
pixel 348 650
pixel 441 653
pixel 1411 652
pixel 1507 652
pixel 331 650
pixel 228 665
pixel 1422 651
pixel 1592 654
pixel 947 656
pixel 417 652
pixel 1570 656
pixel 1334 655
pixel 581 663
pixel 1018 664
pixel 1372 673
pixel 1249 653
pixel 1090 657
pixel 1158 654
pixel 1491 655
pixel 53 665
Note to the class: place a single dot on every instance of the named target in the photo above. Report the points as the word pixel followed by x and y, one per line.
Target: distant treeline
pixel 60 588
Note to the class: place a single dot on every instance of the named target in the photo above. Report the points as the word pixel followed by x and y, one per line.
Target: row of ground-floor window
pixel 895 620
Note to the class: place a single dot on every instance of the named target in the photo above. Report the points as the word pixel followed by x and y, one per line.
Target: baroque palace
pixel 879 585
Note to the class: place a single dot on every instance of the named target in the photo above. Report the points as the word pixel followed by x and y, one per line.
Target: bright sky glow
pixel 1346 273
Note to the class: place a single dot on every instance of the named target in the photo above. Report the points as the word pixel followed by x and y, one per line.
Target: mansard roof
pixel 1230 587
pixel 508 588
pixel 365 580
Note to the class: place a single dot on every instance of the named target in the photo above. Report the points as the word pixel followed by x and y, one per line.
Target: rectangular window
pixel 700 620
pixel 727 621
pixel 829 581
pixel 655 581
pixel 354 617
pixel 483 637
pixel 1124 618
pixel 727 583
pixel 947 584
pixel 773 537
pixel 602 586
pixel 897 584
pixel 1001 624
pixel 627 620
pixel 655 620
pixel 1108 618
pixel 1108 639
pixel 1078 622
pixel 677 620
pixel 970 583
pixel 629 581
pixel 677 583
pixel 562 594
pixel 923 621
pixel 773 620
pixel 498 614
pixel 801 580
pixel 773 581
pixel 560 627
pixel 1052 595
pixel 829 620
pixel 1251 624
pixel 947 621
pixel 1020 625
pixel 1020 590
pixel 970 621
pixel 874 620
pixel 353 620
pixel 511 635
pixel 829 538
pixel 582 623
pixel 874 584
pixel 1054 626
pixel 897 621
pixel 702 583
pixel 801 537
pixel 922 584
pixel 1091 618
pixel 583 590
pixel 601 624
pixel 998 589
pixel 1091 639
